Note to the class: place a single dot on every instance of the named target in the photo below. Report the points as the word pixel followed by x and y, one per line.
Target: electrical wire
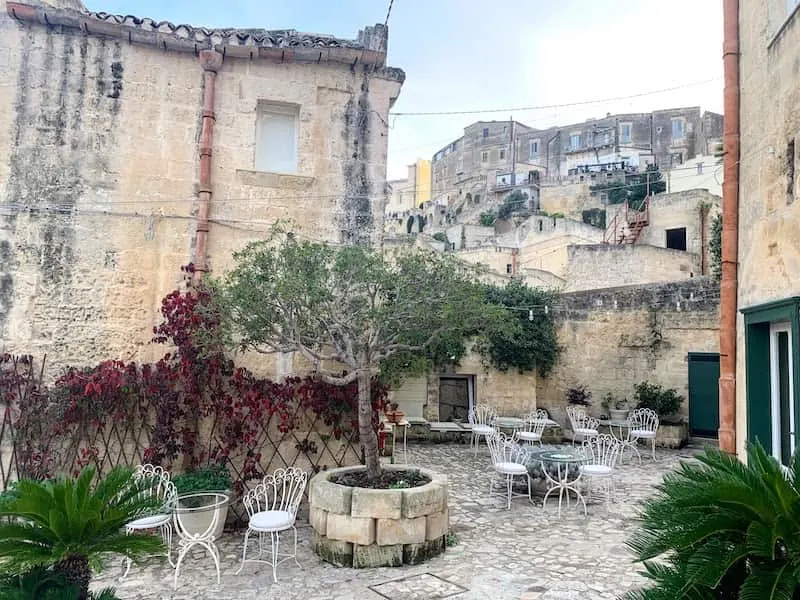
pixel 550 106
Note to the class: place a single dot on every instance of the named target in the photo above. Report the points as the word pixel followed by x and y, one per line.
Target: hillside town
pixel 380 313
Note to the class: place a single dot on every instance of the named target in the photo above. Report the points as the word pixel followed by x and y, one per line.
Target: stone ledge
pixel 376 504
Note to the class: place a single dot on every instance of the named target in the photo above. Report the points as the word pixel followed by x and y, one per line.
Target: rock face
pixel 357 527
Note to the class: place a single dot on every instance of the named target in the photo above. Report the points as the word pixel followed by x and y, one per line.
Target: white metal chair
pixel 480 418
pixel 602 452
pixel 644 426
pixel 161 487
pixel 582 424
pixel 509 461
pixel 272 507
pixel 535 423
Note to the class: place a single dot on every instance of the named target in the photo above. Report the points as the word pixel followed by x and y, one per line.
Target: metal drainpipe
pixel 730 230
pixel 211 61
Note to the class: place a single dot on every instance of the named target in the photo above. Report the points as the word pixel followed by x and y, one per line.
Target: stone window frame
pixel 484 156
pixel 501 152
pixel 788 10
pixel 290 109
pixel 572 136
pixel 622 139
pixel 534 148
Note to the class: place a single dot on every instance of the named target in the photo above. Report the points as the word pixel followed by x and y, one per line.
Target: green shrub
pixel 650 395
pixel 68 525
pixel 440 236
pixel 212 478
pixel 722 529
pixel 579 395
pixel 43 583
pixel 487 219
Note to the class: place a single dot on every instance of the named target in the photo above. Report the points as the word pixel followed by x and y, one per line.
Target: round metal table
pixel 562 458
pixel 512 424
pixel 623 436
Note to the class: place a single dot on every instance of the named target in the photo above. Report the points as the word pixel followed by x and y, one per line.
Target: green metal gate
pixel 703 393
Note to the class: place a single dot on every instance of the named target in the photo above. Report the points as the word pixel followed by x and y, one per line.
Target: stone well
pixel 360 527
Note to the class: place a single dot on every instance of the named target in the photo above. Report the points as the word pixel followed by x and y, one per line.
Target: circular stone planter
pixel 362 527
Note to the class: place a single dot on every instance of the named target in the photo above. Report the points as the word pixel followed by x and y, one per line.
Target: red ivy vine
pixel 195 404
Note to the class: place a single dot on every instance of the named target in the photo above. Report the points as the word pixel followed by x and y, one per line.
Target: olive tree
pixel 349 310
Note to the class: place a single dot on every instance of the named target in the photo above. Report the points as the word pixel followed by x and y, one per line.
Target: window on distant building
pixel 509 268
pixel 502 153
pixel 574 141
pixel 676 238
pixel 484 156
pixel 485 132
pixel 677 128
pixel 460 168
pixel 534 148
pixel 276 137
pixel 625 133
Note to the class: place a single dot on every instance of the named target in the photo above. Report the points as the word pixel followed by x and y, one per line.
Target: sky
pixel 467 55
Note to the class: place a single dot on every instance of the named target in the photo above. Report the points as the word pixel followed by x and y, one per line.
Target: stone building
pixel 767 375
pixel 495 157
pixel 134 147
pixel 478 163
pixel 406 195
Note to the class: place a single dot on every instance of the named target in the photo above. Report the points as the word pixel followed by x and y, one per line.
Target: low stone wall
pixel 360 527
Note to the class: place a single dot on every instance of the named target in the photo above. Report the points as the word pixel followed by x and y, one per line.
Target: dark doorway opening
pixel 676 238
pixel 455 398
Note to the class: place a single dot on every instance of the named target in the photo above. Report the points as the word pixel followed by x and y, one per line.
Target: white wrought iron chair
pixel 272 507
pixel 602 452
pixel 535 423
pixel 644 426
pixel 480 418
pixel 582 424
pixel 162 487
pixel 509 461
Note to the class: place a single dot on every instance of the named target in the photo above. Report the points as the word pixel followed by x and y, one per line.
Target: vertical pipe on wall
pixel 210 61
pixel 730 225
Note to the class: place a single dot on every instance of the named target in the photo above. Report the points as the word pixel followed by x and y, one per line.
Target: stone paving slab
pixel 527 553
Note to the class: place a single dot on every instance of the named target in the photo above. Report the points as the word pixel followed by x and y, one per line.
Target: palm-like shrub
pixel 722 529
pixel 71 524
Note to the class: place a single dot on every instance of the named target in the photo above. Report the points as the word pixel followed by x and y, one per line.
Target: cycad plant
pixel 722 529
pixel 71 524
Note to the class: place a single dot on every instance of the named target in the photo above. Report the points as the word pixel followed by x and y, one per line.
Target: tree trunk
pixel 366 433
pixel 75 569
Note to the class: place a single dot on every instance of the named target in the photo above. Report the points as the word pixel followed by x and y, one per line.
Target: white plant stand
pixel 197 525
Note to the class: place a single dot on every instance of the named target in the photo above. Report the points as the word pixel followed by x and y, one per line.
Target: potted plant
pixel 393 415
pixel 617 407
pixel 196 489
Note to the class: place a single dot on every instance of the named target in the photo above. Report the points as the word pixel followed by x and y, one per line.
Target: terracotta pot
pixel 395 416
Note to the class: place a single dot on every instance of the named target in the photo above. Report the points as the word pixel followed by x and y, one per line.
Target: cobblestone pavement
pixel 527 553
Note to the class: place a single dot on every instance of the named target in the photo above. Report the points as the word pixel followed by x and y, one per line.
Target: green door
pixel 703 394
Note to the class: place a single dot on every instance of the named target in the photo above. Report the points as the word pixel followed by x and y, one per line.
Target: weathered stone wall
pixel 693 210
pixel 569 199
pixel 511 393
pixel 769 210
pixel 608 265
pixel 98 193
pixel 497 258
pixel 615 338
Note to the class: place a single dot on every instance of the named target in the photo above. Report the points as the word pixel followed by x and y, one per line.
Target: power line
pixel 547 106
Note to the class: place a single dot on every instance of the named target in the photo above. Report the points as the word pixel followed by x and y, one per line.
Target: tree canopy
pixel 371 313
